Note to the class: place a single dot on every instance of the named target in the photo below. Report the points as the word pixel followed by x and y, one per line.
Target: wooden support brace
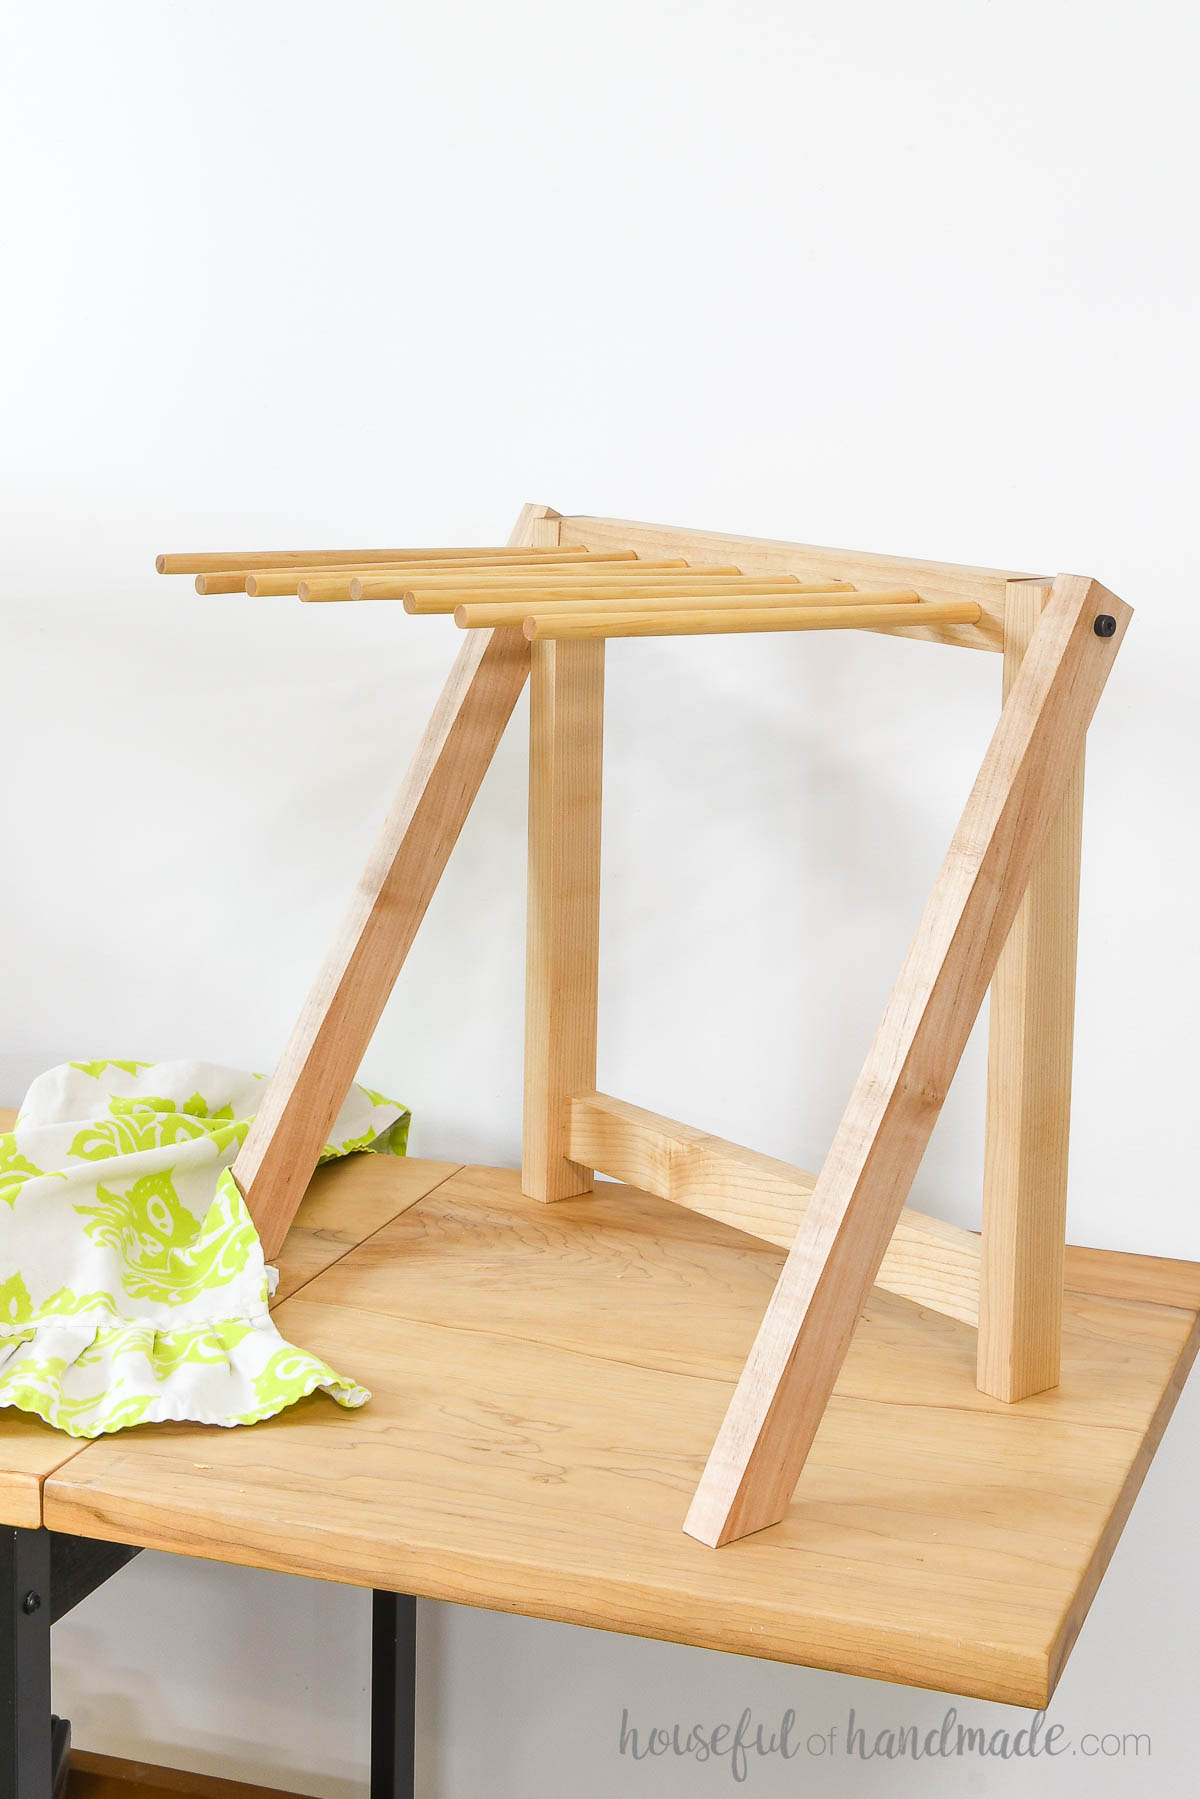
pixel 789 1375
pixel 1030 1042
pixel 933 1263
pixel 322 1057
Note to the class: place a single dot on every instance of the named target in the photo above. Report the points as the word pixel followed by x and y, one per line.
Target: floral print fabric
pixel 132 1281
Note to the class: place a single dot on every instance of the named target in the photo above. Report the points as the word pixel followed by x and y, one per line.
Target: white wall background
pixel 918 279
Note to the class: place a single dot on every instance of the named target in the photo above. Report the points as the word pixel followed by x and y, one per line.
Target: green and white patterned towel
pixel 132 1282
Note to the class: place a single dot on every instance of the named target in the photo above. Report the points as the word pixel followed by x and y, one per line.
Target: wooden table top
pixel 547 1382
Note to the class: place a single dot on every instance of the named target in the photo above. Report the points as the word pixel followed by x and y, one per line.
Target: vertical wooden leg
pixel 1029 1092
pixel 566 734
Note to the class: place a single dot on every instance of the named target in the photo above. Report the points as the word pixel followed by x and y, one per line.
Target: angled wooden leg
pixel 1030 1040
pixel 566 732
pixel 321 1059
pixel 790 1373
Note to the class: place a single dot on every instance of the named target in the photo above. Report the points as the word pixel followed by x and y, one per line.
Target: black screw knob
pixel 31 1603
pixel 1105 625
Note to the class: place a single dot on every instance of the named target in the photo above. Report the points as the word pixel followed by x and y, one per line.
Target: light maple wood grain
pixel 928 1261
pixel 545 1383
pixel 864 1182
pixel 344 1204
pixel 1163 1279
pixel 1030 1041
pixel 29 1452
pixel 541 528
pixel 713 619
pixel 562 932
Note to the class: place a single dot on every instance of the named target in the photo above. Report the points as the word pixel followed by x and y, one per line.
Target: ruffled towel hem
pixel 235 1371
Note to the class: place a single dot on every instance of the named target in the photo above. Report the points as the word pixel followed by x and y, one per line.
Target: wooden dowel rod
pixel 394 584
pixel 573 579
pixel 262 582
pixel 221 561
pixel 558 574
pixel 271 583
pixel 547 569
pixel 473 614
pixel 324 587
pixel 697 622
pixel 420 599
pixel 549 573
pixel 330 585
pixel 234 583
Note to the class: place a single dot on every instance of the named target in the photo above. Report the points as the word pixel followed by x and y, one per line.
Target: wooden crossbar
pixel 933 1263
pixel 1003 911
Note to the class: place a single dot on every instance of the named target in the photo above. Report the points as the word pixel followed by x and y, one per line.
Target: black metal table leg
pixel 393 1696
pixel 43 1575
pixel 34 1747
pixel 26 1745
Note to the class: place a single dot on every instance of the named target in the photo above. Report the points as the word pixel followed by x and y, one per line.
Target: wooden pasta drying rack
pixel 1002 913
